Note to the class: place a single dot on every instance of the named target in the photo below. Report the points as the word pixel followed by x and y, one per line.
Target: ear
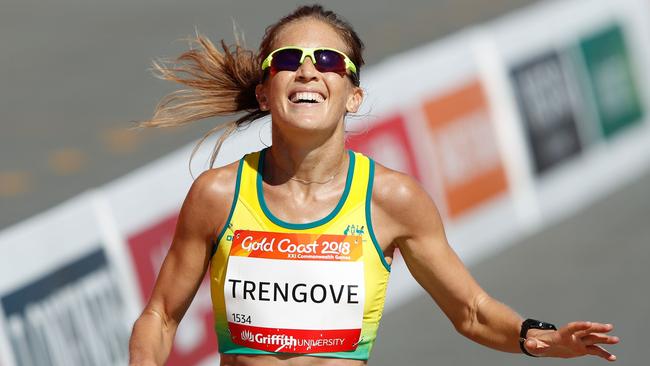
pixel 260 95
pixel 354 100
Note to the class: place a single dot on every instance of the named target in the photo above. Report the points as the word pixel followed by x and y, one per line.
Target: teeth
pixel 306 96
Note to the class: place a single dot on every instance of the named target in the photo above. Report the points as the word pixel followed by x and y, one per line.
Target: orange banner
pixel 466 149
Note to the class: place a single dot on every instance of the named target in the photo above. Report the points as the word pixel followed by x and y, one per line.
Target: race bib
pixel 295 293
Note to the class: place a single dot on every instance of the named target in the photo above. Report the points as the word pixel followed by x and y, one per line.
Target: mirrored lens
pixel 329 61
pixel 286 60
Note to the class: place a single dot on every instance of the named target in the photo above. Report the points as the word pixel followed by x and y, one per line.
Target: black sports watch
pixel 532 324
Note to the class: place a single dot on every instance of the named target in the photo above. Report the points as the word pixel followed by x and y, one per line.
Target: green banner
pixel 612 80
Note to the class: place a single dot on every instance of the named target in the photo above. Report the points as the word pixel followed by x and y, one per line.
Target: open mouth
pixel 306 98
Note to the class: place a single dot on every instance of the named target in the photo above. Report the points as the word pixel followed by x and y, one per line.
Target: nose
pixel 307 71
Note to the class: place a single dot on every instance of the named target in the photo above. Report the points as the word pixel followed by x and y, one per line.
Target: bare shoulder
pixel 401 203
pixel 216 184
pixel 209 199
pixel 395 190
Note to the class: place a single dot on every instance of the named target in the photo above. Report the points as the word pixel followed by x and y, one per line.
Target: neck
pixel 307 159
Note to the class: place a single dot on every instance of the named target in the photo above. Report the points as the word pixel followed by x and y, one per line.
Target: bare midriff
pixel 288 360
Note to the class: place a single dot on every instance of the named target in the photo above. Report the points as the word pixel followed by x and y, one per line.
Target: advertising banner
pixel 68 316
pixel 61 299
pixel 465 148
pixel 611 79
pixel 547 110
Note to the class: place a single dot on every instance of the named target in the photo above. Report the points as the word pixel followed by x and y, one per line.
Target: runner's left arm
pixel 420 237
pixel 418 232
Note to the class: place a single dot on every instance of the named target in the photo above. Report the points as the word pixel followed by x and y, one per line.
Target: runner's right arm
pixel 204 211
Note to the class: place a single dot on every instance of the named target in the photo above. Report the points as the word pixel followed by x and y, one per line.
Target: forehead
pixel 309 33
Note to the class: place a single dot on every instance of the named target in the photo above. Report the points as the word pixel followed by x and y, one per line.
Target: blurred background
pixel 527 121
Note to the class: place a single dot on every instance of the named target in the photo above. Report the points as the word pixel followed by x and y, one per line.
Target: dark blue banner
pixel 547 110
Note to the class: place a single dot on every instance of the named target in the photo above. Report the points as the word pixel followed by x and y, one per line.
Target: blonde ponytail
pixel 220 83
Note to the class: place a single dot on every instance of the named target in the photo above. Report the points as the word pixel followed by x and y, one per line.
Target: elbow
pixel 161 318
pixel 469 323
pixel 164 319
pixel 465 328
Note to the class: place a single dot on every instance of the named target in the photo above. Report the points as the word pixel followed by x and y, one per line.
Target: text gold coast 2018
pixel 285 245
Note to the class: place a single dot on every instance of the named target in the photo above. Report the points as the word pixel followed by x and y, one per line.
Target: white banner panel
pixel 574 91
pixel 60 297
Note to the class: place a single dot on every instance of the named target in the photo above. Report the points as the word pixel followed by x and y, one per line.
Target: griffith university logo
pixel 247 335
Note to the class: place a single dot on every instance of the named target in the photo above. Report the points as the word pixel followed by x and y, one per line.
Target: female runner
pixel 299 237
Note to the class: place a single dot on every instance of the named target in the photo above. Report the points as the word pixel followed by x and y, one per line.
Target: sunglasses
pixel 324 59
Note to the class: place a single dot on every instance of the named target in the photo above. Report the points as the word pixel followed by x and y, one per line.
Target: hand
pixel 573 340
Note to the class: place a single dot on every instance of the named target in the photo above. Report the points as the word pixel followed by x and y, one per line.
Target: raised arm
pixel 202 215
pixel 417 230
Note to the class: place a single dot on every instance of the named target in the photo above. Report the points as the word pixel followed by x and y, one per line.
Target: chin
pixel 308 124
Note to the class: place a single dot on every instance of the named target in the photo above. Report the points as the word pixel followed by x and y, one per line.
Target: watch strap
pixel 531 324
